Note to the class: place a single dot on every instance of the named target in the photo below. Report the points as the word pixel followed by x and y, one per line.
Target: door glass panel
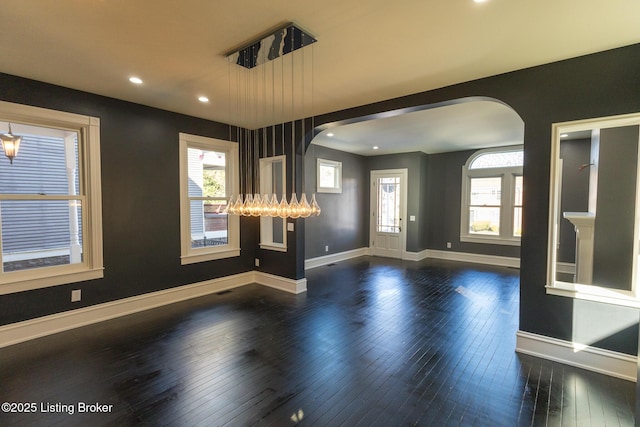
pixel 388 220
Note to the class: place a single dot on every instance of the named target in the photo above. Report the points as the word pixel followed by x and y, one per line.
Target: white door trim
pixel 404 178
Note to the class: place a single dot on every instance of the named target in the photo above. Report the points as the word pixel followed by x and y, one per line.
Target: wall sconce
pixel 10 144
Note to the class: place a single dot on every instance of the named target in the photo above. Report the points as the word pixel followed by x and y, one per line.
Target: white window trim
pixel 508 175
pixel 576 290
pixel 266 223
pixel 191 255
pixel 92 267
pixel 337 166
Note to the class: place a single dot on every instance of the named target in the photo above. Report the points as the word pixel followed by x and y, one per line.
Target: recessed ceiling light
pixel 479 1
pixel 135 80
pixel 375 147
pixel 203 99
pixel 329 134
pixel 564 135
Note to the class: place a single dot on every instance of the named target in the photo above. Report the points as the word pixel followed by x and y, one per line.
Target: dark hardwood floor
pixel 373 342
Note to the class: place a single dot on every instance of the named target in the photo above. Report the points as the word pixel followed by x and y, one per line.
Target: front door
pixel 388 204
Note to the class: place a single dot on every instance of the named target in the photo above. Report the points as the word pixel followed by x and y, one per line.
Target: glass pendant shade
pixel 283 208
pixel 305 208
pixel 315 208
pixel 294 207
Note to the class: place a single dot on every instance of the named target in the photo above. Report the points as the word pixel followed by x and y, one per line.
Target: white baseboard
pixel 281 283
pixel 35 328
pixel 415 256
pixel 474 258
pixel 329 259
pixel 607 362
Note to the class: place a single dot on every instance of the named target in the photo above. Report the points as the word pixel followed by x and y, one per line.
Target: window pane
pixel 517 221
pixel 498 160
pixel 40 233
pixel 206 173
pixel 47 163
pixel 486 191
pixel 388 205
pixel 518 190
pixel 517 210
pixel 484 220
pixel 209 225
pixel 327 176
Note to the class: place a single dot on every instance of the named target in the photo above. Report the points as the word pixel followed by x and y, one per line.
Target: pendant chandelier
pixel 254 67
pixel 10 144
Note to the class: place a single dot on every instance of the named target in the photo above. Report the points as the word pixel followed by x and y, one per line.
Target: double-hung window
pixel 50 200
pixel 492 197
pixel 208 177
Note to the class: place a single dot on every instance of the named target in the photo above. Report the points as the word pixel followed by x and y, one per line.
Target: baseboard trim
pixel 281 283
pixel 337 257
pixel 415 256
pixel 474 258
pixel 47 325
pixel 594 359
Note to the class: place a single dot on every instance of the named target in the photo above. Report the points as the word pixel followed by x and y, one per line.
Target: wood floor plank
pixel 374 342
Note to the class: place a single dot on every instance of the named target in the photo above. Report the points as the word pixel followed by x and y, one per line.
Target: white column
pixel 584 225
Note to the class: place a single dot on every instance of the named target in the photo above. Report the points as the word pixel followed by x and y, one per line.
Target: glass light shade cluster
pixel 256 205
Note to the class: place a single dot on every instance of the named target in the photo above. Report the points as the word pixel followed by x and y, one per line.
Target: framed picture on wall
pixel 329 176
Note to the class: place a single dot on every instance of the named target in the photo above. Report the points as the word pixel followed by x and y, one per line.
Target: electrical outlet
pixel 448 245
pixel 326 248
pixel 76 295
pixel 257 262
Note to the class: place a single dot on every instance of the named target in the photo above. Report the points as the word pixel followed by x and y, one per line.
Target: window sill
pixel 490 240
pixel 277 248
pixel 594 293
pixel 27 282
pixel 210 256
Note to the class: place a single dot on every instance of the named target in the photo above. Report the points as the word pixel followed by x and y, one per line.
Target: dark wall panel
pixel 415 188
pixel 445 199
pixel 140 202
pixel 615 208
pixel 575 192
pixel 343 224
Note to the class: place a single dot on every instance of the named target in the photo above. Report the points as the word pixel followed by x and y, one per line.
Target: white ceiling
pixel 366 51
pixel 473 124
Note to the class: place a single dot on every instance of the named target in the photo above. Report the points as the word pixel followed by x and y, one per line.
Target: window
pixel 50 200
pixel 329 175
pixel 273 234
pixel 492 197
pixel 208 177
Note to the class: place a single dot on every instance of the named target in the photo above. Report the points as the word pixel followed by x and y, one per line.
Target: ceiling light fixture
pixel 252 85
pixel 329 134
pixel 135 80
pixel 203 99
pixel 564 135
pixel 10 144
pixel 375 147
